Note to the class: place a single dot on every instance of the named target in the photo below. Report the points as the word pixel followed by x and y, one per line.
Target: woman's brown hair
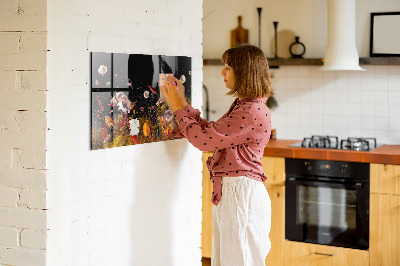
pixel 250 66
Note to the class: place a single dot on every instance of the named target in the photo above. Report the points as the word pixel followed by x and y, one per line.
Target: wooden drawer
pixel 304 254
pixel 385 178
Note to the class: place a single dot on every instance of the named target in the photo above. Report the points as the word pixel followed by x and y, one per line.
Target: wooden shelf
pixel 380 61
pixel 274 63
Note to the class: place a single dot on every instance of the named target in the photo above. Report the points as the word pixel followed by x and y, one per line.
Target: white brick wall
pixel 125 206
pixel 9 237
pixel 135 205
pixel 33 239
pixel 23 132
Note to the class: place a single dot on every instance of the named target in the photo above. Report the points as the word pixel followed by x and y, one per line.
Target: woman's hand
pixel 174 93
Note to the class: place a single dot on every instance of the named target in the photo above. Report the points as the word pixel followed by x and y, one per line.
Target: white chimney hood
pixel 341 51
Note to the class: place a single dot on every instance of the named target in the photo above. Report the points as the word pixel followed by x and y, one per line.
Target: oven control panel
pixel 338 169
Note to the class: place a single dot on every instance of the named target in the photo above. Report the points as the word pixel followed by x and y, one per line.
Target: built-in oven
pixel 327 202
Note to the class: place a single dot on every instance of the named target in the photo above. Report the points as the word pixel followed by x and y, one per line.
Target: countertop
pixel 388 154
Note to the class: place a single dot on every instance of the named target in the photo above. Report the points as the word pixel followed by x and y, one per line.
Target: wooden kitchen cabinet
pixel 277 233
pixel 385 178
pixel 305 254
pixel 274 168
pixel 206 225
pixel 384 236
pixel 385 215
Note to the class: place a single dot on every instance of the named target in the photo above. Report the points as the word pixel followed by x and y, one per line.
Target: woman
pixel 242 211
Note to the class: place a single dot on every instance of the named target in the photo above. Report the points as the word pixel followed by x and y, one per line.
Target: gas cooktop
pixel 332 142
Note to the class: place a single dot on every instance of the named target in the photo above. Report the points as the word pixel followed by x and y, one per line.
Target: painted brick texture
pixel 109 207
pixel 135 205
pixel 23 132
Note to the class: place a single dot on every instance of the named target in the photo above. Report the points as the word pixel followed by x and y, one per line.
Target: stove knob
pixel 343 168
pixel 308 166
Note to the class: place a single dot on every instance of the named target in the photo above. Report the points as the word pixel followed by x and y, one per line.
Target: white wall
pixel 311 102
pixel 345 103
pixel 23 133
pixel 306 19
pixel 135 205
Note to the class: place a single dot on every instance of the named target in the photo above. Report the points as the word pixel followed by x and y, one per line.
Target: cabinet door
pixel 385 178
pixel 277 233
pixel 274 168
pixel 384 230
pixel 304 254
pixel 206 232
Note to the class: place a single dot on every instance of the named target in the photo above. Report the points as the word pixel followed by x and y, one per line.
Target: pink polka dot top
pixel 238 140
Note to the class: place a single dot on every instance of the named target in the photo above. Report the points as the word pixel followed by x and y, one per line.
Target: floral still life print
pixel 127 105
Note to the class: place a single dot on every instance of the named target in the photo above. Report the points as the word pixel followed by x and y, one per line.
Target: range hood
pixel 341 51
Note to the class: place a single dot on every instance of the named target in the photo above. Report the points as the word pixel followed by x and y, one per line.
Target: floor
pixel 206 261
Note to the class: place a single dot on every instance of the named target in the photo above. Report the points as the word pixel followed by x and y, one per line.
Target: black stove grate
pixel 332 142
pixel 358 144
pixel 327 142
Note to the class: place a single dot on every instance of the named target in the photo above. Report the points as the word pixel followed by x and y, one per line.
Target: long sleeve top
pixel 238 140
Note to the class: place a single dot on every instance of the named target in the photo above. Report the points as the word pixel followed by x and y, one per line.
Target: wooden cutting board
pixel 239 35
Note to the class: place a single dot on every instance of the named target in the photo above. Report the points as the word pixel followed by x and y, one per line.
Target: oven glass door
pixel 326 207
pixel 327 213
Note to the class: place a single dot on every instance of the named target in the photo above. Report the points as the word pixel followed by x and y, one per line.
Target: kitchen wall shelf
pixel 274 63
pixel 380 61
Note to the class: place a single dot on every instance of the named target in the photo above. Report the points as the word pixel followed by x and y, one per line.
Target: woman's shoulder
pixel 254 105
pixel 260 110
pixel 254 108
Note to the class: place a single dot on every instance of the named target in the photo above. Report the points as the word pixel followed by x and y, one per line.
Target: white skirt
pixel 241 223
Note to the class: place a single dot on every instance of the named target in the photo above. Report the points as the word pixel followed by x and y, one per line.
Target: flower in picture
pixel 109 121
pixel 102 70
pixel 113 102
pixel 168 115
pixel 121 97
pixel 121 107
pixel 183 79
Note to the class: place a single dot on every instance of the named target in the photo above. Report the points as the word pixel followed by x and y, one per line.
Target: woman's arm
pixel 195 114
pixel 239 127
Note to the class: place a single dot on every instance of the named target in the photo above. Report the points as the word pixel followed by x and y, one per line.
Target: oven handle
pixel 357 185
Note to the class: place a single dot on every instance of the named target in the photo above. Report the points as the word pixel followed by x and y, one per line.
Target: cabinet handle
pixel 324 254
